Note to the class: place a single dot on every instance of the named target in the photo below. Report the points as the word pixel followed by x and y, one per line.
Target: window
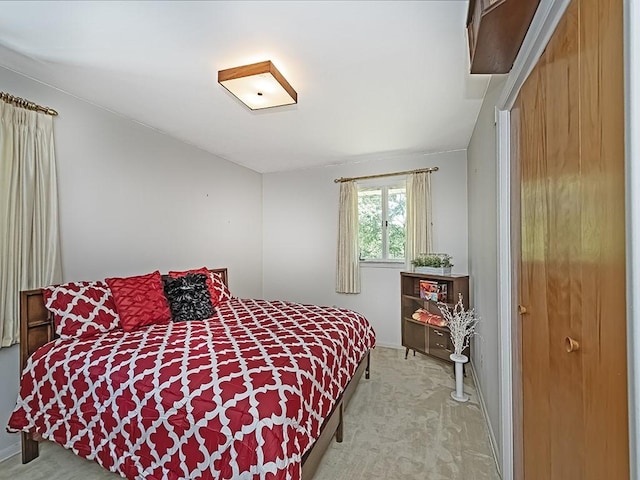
pixel 382 216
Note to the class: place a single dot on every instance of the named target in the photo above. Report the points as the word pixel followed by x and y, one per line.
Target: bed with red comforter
pixel 242 395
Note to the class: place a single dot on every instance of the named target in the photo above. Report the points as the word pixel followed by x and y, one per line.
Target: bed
pixel 257 391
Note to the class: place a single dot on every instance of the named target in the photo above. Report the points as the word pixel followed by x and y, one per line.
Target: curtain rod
pixel 22 103
pixel 380 175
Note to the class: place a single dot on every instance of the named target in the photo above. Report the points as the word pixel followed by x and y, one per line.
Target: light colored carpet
pixel 401 424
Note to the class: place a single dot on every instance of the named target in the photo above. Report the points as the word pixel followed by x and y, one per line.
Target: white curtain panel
pixel 348 265
pixel 29 243
pixel 419 219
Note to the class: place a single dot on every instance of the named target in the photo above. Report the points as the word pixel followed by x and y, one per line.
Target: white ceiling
pixel 372 78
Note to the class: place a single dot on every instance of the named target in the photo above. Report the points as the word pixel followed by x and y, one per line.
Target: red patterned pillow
pixel 222 291
pixel 140 300
pixel 213 291
pixel 81 309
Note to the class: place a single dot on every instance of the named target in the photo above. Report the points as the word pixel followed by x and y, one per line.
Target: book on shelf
pixel 433 290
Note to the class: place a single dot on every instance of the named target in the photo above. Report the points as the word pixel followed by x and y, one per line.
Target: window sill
pixel 372 264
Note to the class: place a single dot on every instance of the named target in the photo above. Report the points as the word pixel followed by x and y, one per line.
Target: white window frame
pixel 384 186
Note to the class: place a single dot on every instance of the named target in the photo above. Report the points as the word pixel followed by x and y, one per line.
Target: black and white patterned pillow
pixel 189 297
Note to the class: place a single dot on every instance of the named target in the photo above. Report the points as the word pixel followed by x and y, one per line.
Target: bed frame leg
pixel 367 370
pixel 340 430
pixel 29 448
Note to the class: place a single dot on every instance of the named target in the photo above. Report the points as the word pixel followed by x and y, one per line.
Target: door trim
pixel 543 25
pixel 632 155
pixel 505 286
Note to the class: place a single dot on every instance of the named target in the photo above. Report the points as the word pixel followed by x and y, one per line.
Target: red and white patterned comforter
pixel 240 396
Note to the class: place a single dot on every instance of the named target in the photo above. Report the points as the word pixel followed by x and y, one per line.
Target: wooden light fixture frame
pixel 256 69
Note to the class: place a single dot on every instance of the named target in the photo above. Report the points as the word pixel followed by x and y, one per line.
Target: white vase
pixel 458 394
pixel 433 270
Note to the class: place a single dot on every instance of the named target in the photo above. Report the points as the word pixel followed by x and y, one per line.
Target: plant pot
pixel 433 270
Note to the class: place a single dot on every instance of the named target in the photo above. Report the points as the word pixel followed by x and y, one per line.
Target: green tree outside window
pixel 382 217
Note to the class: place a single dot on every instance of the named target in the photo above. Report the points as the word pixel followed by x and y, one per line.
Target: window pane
pixel 370 230
pixel 396 223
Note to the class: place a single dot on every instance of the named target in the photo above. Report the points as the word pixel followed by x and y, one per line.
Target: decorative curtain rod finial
pixel 26 104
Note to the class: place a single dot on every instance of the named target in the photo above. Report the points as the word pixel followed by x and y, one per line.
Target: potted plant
pixel 433 263
pixel 462 326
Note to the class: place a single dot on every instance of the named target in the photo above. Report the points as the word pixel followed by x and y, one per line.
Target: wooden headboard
pixel 36 322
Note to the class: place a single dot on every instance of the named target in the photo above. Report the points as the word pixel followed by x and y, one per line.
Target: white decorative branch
pixel 461 323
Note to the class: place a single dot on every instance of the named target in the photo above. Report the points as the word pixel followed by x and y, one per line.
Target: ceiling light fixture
pixel 259 85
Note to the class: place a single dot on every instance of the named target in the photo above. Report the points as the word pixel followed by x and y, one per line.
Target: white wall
pixel 300 231
pixel 133 200
pixel 483 249
pixel 9 379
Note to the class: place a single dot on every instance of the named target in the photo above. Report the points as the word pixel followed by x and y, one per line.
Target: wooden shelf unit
pixel 422 337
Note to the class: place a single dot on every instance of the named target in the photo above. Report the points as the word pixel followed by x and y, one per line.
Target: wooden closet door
pixel 568 126
pixel 603 238
pixel 536 381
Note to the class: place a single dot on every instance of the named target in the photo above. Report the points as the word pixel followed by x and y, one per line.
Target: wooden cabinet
pixel 419 336
pixel 496 29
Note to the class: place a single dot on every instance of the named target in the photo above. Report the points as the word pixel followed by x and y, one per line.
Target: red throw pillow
pixel 221 289
pixel 213 291
pixel 81 309
pixel 140 300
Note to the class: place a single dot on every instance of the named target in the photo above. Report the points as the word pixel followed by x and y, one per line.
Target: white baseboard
pixel 9 451
pixel 485 414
